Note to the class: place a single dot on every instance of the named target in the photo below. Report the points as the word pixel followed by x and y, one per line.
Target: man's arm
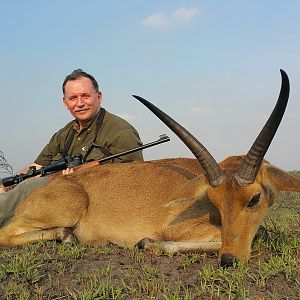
pixel 24 170
pixel 125 140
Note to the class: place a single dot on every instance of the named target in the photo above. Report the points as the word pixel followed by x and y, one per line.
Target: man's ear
pixel 99 96
pixel 65 104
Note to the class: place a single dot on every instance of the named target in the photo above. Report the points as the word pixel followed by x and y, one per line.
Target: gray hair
pixel 79 73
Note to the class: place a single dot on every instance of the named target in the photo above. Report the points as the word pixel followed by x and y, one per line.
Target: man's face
pixel 82 100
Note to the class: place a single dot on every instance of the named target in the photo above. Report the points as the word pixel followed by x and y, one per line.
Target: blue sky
pixel 211 65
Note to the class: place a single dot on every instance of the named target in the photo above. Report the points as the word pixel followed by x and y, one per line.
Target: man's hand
pixel 24 170
pixel 67 171
pixel 2 189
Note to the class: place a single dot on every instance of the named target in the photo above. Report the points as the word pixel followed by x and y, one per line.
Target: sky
pixel 211 65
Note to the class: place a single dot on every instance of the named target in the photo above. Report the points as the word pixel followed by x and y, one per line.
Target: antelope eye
pixel 255 199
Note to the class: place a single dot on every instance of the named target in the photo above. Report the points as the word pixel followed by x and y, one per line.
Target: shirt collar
pixel 76 125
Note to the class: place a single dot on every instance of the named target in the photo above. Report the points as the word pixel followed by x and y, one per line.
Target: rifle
pixel 70 162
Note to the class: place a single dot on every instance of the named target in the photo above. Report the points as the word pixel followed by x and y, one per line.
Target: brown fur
pixel 167 201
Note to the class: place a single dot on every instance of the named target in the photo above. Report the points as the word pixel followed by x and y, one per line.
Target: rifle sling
pixel 71 135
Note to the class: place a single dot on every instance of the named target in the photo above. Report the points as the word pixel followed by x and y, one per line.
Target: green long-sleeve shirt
pixel 116 135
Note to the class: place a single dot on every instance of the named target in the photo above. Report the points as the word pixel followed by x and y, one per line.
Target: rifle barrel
pixel 162 139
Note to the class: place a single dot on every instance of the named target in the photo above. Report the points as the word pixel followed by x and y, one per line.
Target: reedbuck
pixel 181 204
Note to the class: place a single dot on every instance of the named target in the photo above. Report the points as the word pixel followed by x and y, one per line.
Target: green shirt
pixel 116 135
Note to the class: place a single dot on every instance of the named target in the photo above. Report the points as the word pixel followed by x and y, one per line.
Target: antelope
pixel 181 204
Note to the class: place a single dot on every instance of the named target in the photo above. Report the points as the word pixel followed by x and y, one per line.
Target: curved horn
pixel 214 174
pixel 251 163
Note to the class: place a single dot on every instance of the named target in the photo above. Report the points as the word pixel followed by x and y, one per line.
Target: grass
pixel 69 271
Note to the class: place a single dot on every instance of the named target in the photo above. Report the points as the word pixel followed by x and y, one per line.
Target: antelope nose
pixel 227 260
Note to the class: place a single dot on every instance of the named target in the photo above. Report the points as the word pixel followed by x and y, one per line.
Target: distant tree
pixel 5 167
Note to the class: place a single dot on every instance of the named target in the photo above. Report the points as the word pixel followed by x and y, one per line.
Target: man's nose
pixel 80 101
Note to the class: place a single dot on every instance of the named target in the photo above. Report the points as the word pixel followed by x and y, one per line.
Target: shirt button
pixel 83 148
pixel 79 139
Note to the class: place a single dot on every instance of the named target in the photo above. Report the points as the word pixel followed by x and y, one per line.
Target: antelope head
pixel 242 188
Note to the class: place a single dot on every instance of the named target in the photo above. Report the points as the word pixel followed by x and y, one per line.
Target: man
pixel 95 133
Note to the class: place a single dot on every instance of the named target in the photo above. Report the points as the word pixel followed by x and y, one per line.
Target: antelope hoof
pixel 144 243
pixel 65 235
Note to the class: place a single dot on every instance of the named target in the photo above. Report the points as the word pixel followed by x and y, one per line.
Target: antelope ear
pixel 278 179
